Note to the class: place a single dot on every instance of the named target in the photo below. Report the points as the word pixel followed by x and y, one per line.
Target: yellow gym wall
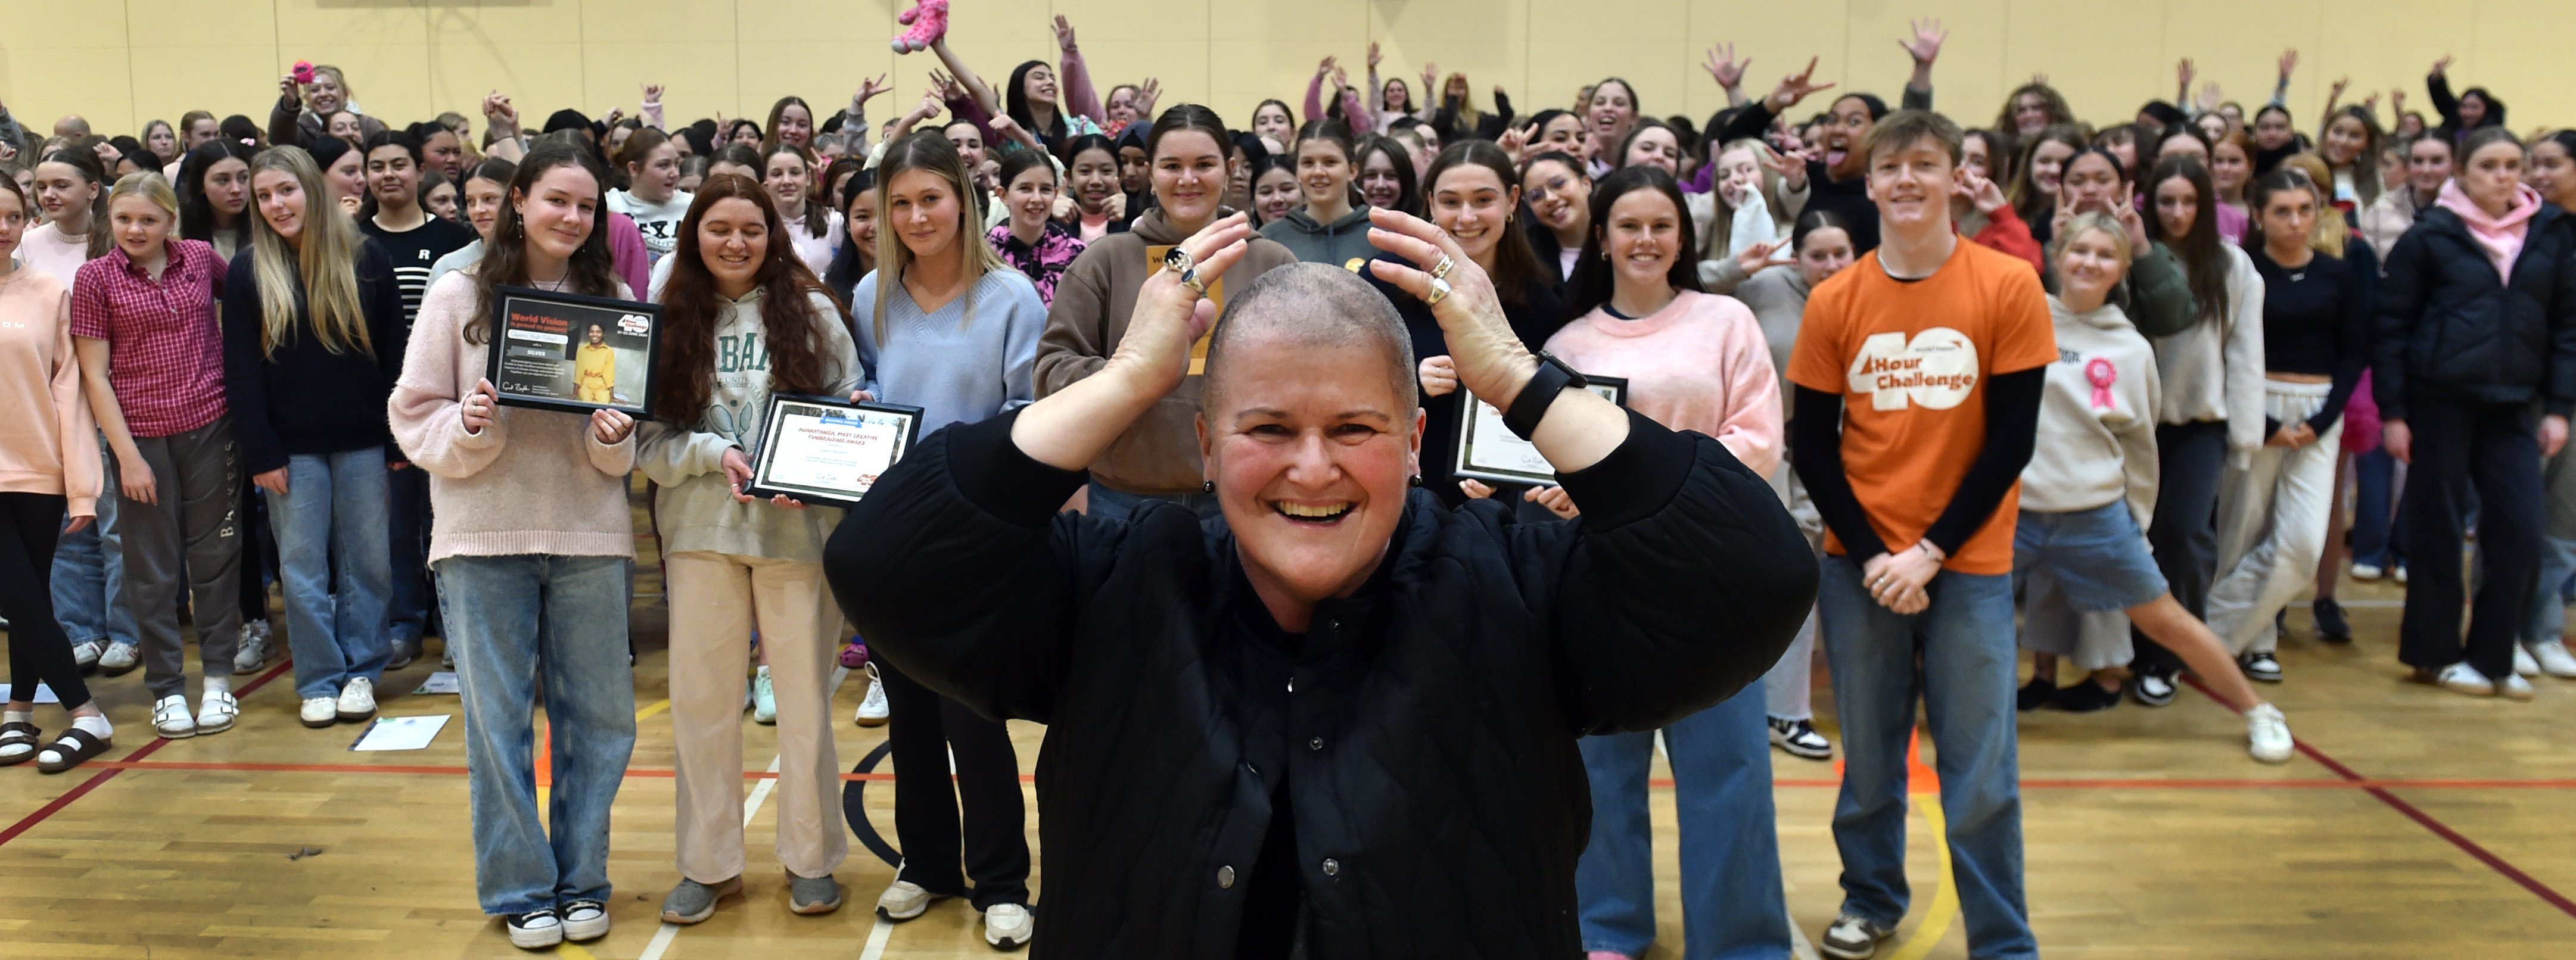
pixel 122 62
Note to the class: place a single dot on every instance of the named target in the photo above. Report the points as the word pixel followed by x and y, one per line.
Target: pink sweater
pixel 534 482
pixel 48 444
pixel 1697 364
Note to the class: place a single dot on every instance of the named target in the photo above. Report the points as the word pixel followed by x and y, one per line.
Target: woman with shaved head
pixel 1337 720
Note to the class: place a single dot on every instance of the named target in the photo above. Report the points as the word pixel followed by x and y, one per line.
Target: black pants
pixel 2191 458
pixel 30 523
pixel 259 556
pixel 927 729
pixel 412 611
pixel 2462 448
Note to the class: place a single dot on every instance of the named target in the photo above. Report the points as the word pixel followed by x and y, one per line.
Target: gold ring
pixel 1439 292
pixel 1180 259
pixel 1440 271
pixel 1190 279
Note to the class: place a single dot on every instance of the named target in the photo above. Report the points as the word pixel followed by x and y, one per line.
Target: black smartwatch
pixel 1530 407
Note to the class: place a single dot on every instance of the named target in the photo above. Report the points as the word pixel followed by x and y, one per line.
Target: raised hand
pixel 1791 167
pixel 2183 73
pixel 870 90
pixel 1795 87
pixel 1146 93
pixel 2289 62
pixel 1485 355
pixel 930 104
pixel 1513 141
pixel 2442 67
pixel 1171 315
pixel 1324 68
pixel 1724 68
pixel 2039 78
pixel 1757 258
pixel 1373 57
pixel 1063 34
pixel 2209 98
pixel 1925 47
pixel 652 93
pixel 1980 191
pixel 1341 80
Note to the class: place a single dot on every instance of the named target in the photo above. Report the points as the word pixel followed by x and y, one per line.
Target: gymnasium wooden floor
pixel 2416 823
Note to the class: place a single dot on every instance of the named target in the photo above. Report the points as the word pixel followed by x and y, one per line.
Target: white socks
pixel 17 716
pixel 216 685
pixel 94 724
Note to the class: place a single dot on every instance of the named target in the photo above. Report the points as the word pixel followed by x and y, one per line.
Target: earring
pixel 1208 486
pixel 1415 480
pixel 1605 255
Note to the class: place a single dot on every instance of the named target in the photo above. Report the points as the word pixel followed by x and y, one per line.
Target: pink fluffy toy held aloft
pixel 929 20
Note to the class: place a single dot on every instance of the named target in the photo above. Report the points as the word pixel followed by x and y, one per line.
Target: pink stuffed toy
pixel 929 20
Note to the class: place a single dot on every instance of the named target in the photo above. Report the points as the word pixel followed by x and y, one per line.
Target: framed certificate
pixel 568 352
pixel 1490 452
pixel 828 451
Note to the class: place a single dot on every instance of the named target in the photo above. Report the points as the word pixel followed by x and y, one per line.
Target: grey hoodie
pixel 1343 242
pixel 2096 443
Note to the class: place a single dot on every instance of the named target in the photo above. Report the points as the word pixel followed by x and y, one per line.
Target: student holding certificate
pixel 744 319
pixel 955 333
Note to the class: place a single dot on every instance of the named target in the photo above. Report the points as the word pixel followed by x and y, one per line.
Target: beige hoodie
pixel 48 444
pixel 2097 418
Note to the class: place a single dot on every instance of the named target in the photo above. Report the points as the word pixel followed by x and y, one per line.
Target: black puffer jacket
pixel 2450 328
pixel 1440 804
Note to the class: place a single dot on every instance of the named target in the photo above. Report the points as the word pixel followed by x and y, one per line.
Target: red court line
pixel 110 770
pixel 2426 820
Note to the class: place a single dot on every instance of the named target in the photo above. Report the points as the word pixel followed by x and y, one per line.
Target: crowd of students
pixel 2119 393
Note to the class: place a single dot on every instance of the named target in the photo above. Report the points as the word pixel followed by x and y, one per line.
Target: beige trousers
pixel 717 600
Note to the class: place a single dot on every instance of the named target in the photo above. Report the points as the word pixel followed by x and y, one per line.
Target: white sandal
pixel 171 719
pixel 216 711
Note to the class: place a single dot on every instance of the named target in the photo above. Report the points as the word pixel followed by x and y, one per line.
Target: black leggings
pixel 38 650
pixel 927 729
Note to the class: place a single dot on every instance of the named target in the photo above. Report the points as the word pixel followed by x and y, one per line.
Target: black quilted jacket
pixel 2450 327
pixel 1445 807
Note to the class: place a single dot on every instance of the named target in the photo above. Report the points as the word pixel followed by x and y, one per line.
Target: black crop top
pixel 2316 320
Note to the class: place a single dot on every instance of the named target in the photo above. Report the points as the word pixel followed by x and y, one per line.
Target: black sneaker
pixel 535 929
pixel 2035 694
pixel 2331 626
pixel 2085 697
pixel 2261 667
pixel 404 652
pixel 1800 739
pixel 2152 689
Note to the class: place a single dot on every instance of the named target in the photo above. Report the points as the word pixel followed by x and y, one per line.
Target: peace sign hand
pixel 1795 87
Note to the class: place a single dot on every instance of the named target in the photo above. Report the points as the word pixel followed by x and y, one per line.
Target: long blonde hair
pixel 323 261
pixel 1721 227
pixel 931 153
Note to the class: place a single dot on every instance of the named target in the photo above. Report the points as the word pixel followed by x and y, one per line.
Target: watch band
pixel 1531 405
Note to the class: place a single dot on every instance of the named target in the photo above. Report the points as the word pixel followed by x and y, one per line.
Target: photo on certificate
pixel 827 451
pixel 573 353
pixel 1491 452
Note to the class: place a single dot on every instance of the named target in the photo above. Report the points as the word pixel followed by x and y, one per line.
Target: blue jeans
pixel 1966 641
pixel 1732 902
pixel 562 619
pixel 330 521
pixel 2374 510
pixel 89 576
pixel 1116 506
pixel 407 607
pixel 2548 605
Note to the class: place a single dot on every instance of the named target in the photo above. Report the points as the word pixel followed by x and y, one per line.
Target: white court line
pixel 877 937
pixel 750 807
pixel 1798 945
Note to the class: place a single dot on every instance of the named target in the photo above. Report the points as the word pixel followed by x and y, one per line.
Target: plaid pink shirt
pixel 165 349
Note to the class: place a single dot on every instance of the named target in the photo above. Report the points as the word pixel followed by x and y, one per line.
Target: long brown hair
pixel 593 270
pixel 691 309
pixel 1516 266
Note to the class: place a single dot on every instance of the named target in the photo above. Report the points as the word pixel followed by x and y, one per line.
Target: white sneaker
pixel 215 712
pixel 1008 926
pixel 2554 658
pixel 171 719
pixel 2401 576
pixel 1852 938
pixel 535 929
pixel 2514 687
pixel 254 647
pixel 584 920
pixel 2462 678
pixel 2267 734
pixel 119 658
pixel 357 700
pixel 85 653
pixel 319 712
pixel 904 900
pixel 2364 571
pixel 2523 664
pixel 764 699
pixel 873 710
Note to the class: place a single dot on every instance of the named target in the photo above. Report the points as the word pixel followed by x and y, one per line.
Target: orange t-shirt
pixel 1910 359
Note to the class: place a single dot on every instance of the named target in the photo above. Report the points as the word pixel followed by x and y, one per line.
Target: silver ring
pixel 1180 258
pixel 1190 279
pixel 1439 292
pixel 1440 271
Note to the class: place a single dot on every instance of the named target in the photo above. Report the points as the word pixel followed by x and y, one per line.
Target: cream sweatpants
pixel 717 600
pixel 2272 523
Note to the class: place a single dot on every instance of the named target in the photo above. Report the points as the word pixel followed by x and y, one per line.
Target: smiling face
pixel 1309 446
pixel 2272 129
pixel 1095 179
pixel 1323 169
pixel 969 142
pixel 925 212
pixel 2345 139
pixel 1654 147
pixel 325 95
pixel 1398 95
pixel 1611 110
pixel 2230 168
pixel 1276 193
pixel 1845 130
pixel 1826 252
pixel 1039 85
pixel 347 176
pixel 344 125
pixel 391 176
pixel 1030 198
pixel 656 177
pixel 2089 265
pixel 140 226
pixel 1122 105
pixel 1911 185
pixel 227 186
pixel 483 205
pixel 862 224
pixel 2091 183
pixel 1564 133
pixel 1189 177
pixel 1974 157
pixel 1271 120
pixel 1643 238
pixel 64 194
pixel 1135 170
pixel 282 202
pixel 1475 207
pixel 733 241
pixel 2047 164
pixel 1559 198
pixel 558 211
pixel 786 177
pixel 2029 113
pixel 2473 110
pixel 2177 206
pixel 1380 185
pixel 795 125
pixel 2553 173
pixel 1739 175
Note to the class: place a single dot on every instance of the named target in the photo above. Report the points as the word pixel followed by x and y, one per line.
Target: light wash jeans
pixel 331 521
pixel 2548 605
pixel 89 576
pixel 1966 681
pixel 562 619
pixel 1732 901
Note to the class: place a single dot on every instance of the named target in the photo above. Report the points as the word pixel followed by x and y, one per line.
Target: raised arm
pixel 966 77
pixel 1924 47
pixel 1080 98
